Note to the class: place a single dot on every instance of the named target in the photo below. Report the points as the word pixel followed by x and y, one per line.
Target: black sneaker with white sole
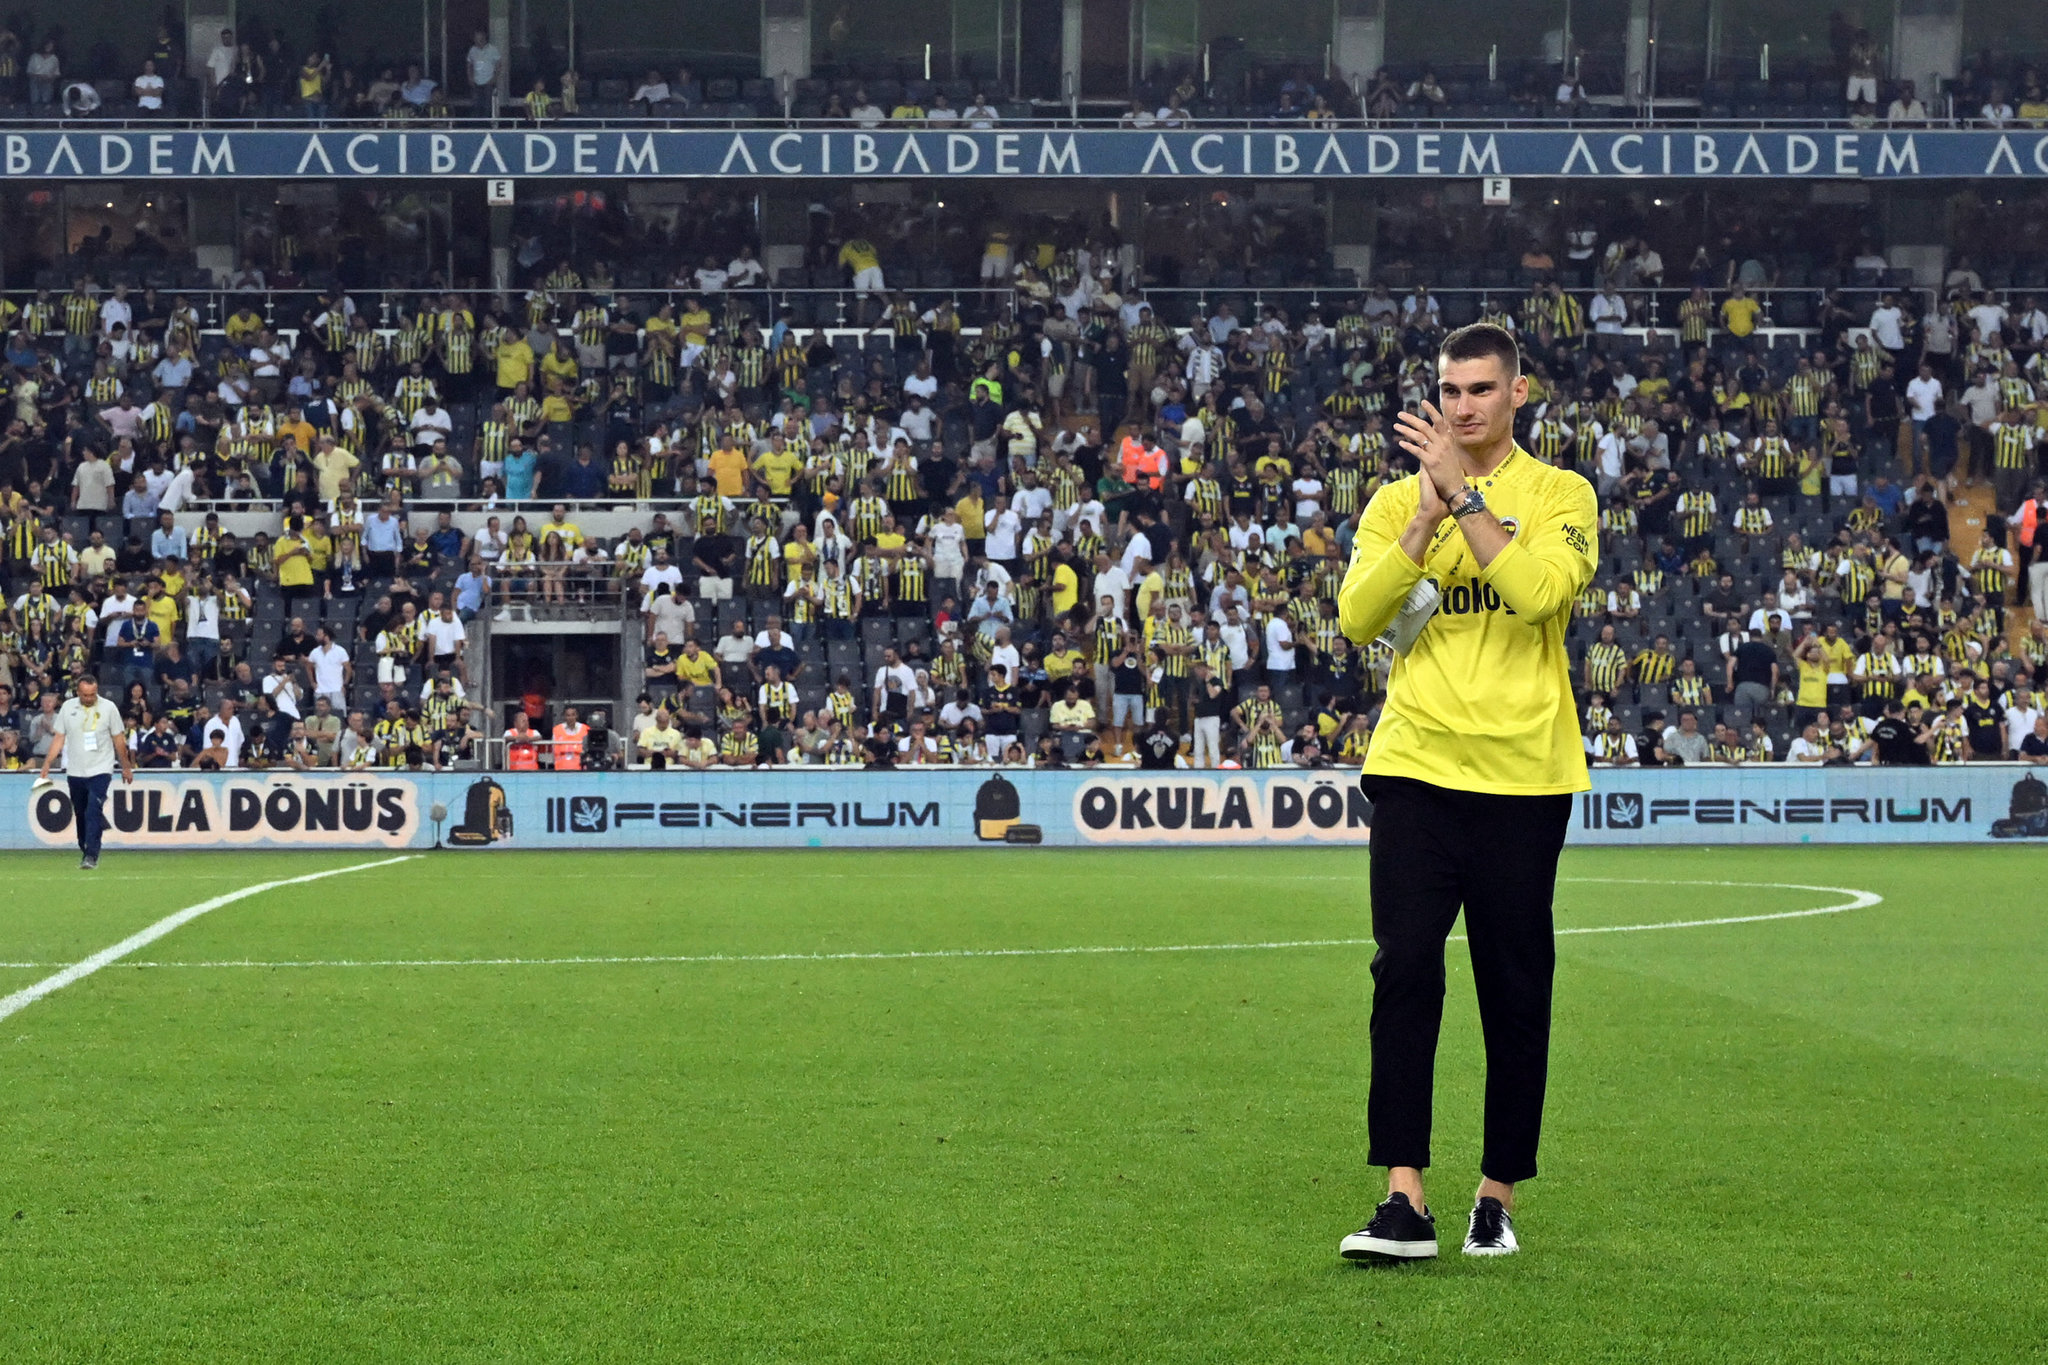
pixel 1396 1233
pixel 1491 1231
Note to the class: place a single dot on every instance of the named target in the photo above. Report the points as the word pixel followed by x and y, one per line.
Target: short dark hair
pixel 1482 339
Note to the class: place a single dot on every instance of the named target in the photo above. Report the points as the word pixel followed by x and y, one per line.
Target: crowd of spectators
pixel 1079 532
pixel 1772 592
pixel 259 73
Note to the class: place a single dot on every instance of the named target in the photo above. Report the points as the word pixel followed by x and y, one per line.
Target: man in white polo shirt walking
pixel 89 738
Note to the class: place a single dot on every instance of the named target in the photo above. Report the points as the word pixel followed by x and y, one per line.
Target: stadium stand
pixel 1019 476
pixel 264 71
pixel 1019 533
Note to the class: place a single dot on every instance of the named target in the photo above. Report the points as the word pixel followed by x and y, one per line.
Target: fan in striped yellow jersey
pixel 1606 663
pixel 1654 666
pixel 1688 688
pixel 24 533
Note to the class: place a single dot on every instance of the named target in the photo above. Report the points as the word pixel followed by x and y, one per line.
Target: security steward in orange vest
pixel 1143 466
pixel 569 738
pixel 522 745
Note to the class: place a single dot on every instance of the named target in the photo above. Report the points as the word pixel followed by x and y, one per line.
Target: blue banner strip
pixel 965 808
pixel 1778 153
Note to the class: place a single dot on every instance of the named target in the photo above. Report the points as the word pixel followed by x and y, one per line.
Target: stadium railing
pixel 493 755
pixel 1672 114
pixel 1172 303
pixel 549 590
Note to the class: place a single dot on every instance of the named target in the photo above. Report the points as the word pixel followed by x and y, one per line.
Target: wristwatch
pixel 1468 502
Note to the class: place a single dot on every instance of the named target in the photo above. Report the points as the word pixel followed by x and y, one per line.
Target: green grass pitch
pixel 1801 1139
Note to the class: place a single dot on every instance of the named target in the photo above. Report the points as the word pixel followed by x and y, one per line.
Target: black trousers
pixel 1434 850
pixel 89 810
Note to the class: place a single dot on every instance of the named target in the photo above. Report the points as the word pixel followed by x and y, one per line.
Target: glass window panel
pixel 540 42
pixel 35 232
pixel 1680 33
pixel 883 36
pixel 1464 31
pixel 374 35
pixel 1600 32
pixel 1803 38
pixel 978 35
pixel 625 39
pixel 1291 33
pixel 125 219
pixel 1171 33
pixel 2015 30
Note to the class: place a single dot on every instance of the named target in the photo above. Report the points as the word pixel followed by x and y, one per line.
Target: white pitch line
pixel 1858 900
pixel 78 971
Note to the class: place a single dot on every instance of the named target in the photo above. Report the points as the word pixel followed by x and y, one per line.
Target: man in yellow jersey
pixel 1470 771
pixel 515 363
pixel 859 256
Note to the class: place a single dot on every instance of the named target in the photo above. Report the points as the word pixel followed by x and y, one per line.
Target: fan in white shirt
pixel 283 691
pixel 1988 317
pixel 329 663
pixel 149 89
pixel 1806 748
pixel 1308 496
pixel 224 732
pixel 177 491
pixel 1923 396
pixel 1609 312
pixel 1004 527
pixel 489 543
pixel 116 610
pixel 1279 646
pixel 2020 715
pixel 744 272
pixel 432 423
pixel 659 573
pixel 1114 584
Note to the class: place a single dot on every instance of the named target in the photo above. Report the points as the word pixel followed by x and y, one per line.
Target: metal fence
pixel 1667 114
pixel 838 311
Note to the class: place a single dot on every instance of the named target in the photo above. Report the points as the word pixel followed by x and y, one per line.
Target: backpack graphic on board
pixel 485 817
pixel 998 811
pixel 2027 818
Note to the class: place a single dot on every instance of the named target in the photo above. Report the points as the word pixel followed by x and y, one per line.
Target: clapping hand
pixel 1427 436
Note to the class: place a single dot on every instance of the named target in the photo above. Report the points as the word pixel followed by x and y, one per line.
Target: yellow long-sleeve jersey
pixel 1484 700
